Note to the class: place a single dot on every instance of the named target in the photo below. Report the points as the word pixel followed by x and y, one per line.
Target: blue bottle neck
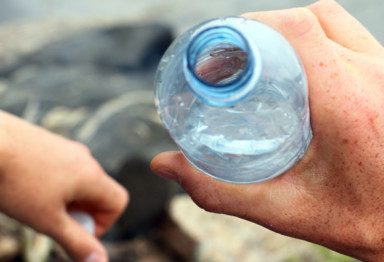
pixel 219 63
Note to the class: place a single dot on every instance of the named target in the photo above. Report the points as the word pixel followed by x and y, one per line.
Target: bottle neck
pixel 219 64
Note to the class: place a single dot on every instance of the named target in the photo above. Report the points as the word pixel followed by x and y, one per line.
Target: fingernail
pixel 168 174
pixel 95 257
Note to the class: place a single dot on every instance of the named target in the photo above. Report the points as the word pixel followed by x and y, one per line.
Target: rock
pixel 224 238
pixel 35 247
pixel 140 249
pixel 165 242
pixel 10 246
pixel 150 196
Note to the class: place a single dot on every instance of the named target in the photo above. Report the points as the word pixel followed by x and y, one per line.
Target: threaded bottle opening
pixel 219 63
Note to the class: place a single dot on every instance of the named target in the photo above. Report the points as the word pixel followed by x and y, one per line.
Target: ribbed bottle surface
pixel 233 94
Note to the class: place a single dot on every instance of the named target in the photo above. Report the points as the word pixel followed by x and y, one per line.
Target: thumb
pixel 80 244
pixel 208 193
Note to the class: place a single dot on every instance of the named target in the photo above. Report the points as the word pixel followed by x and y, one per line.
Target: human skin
pixel 334 195
pixel 44 175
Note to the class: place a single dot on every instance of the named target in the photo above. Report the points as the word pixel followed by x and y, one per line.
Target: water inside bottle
pixel 255 127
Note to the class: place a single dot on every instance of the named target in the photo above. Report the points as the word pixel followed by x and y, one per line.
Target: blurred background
pixel 85 69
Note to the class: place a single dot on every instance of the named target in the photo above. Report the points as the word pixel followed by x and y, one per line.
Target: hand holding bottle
pixel 334 195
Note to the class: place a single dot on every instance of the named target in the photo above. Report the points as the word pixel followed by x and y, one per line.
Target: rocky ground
pixel 186 233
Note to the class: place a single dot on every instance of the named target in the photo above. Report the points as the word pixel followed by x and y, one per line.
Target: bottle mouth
pixel 219 65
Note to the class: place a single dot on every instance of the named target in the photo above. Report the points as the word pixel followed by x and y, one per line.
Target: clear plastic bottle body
pixel 233 94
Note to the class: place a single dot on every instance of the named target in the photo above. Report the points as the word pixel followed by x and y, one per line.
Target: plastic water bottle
pixel 233 94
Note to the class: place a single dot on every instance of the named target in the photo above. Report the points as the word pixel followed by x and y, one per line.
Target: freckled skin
pixel 334 196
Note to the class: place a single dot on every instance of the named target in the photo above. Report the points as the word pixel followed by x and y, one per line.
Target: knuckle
pixel 207 200
pixel 91 169
pixel 119 197
pixel 208 204
pixel 124 198
pixel 327 7
pixel 297 21
pixel 82 147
